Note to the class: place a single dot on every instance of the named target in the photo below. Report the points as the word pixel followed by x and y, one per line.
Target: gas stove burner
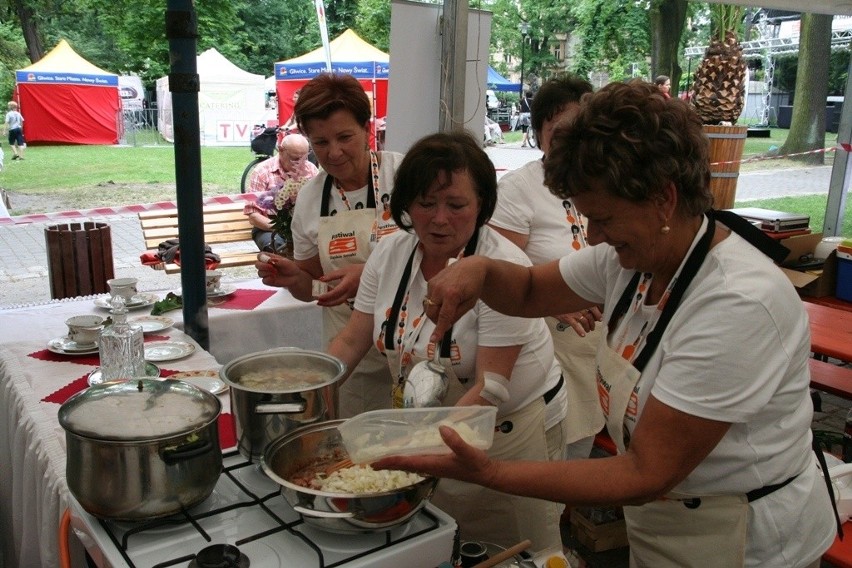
pixel 220 556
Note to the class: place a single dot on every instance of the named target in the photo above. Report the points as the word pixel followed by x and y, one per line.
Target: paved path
pixel 24 272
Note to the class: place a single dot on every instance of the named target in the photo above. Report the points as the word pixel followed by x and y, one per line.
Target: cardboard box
pixel 597 537
pixel 813 283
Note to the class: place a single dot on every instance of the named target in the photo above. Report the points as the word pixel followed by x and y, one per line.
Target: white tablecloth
pixel 33 492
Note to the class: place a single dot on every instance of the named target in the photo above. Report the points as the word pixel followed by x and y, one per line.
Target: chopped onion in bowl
pixel 363 479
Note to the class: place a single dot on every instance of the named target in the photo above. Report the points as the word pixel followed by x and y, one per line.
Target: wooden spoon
pixel 505 555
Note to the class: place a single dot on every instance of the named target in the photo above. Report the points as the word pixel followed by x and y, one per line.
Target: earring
pixel 665 229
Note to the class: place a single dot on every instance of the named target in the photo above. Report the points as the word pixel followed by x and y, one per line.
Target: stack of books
pixel 776 224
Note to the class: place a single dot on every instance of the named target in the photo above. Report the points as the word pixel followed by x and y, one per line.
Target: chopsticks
pixel 505 555
pixel 338 466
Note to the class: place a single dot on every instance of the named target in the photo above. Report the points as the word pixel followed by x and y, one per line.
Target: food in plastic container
pixel 412 431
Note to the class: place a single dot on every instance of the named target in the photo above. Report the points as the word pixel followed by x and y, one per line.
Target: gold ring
pixel 428 301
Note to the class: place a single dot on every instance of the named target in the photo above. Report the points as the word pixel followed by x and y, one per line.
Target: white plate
pixel 151 371
pixel 168 350
pixel 64 346
pixel 140 300
pixel 207 380
pixel 150 324
pixel 225 290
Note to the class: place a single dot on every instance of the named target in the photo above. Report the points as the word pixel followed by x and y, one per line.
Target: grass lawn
pixel 57 178
pixel 73 177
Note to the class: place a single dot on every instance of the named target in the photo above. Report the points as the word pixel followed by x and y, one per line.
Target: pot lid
pixel 138 410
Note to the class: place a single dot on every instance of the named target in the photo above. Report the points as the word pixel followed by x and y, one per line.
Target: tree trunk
pixel 29 28
pixel 807 128
pixel 667 18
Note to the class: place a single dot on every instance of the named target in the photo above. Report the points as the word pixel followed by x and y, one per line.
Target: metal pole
pixel 522 66
pixel 182 31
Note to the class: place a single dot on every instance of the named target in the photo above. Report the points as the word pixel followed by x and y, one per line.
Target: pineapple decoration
pixel 718 88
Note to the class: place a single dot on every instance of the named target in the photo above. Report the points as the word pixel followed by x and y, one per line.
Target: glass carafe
pixel 122 346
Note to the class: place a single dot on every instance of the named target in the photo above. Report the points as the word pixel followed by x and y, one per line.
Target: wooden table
pixel 831 331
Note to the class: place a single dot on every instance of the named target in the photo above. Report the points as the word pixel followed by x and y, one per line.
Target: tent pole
pixel 182 31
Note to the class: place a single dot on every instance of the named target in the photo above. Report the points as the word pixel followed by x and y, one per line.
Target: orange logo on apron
pixel 343 243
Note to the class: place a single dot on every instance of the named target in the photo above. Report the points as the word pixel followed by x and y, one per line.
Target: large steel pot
pixel 267 412
pixel 320 445
pixel 141 449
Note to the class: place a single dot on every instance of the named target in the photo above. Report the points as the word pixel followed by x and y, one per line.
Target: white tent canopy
pixel 230 102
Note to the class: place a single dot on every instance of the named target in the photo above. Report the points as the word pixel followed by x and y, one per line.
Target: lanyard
pixel 671 298
pixel 372 188
pixel 391 324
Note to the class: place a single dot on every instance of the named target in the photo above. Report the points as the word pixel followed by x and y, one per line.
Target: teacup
pixel 124 287
pixel 84 330
pixel 214 281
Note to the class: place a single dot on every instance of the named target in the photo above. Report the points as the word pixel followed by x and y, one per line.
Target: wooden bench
pixel 223 223
pixel 830 378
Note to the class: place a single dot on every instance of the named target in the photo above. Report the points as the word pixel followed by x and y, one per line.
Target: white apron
pixel 576 356
pixel 678 530
pixel 348 238
pixel 666 533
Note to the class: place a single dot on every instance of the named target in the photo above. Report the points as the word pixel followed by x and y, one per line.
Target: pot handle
pixel 174 455
pixel 322 514
pixel 281 408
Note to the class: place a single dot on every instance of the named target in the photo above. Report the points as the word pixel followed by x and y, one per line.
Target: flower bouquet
pixel 278 204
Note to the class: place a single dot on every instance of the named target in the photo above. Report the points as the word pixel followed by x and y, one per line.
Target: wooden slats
pixel 223 223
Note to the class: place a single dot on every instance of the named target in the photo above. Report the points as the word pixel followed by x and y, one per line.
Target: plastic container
pixel 414 431
pixel 844 276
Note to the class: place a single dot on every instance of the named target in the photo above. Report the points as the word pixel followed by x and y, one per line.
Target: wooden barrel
pixel 726 151
pixel 79 259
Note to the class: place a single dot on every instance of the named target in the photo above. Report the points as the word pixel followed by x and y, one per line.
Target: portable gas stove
pixel 247 511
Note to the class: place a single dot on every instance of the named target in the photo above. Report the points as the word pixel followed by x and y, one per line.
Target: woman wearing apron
pixel 446 190
pixel 703 377
pixel 337 221
pixel 546 228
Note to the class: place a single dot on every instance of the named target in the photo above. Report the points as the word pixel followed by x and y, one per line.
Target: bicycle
pixel 263 145
pixel 532 139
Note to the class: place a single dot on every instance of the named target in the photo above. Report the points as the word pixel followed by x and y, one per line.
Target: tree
pixel 667 20
pixel 615 37
pixel 807 128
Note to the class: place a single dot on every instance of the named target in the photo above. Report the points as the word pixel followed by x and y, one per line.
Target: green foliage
pixel 725 18
pixel 373 22
pixel 13 56
pixel 614 37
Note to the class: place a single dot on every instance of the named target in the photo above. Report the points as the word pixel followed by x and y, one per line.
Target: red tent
pixel 66 99
pixel 349 54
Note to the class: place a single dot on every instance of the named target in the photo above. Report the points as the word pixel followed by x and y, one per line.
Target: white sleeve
pixel 514 210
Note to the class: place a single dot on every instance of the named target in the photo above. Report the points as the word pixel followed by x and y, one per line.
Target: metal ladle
pixel 427 383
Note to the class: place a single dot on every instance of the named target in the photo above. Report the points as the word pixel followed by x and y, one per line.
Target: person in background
pixel 290 163
pixel 524 116
pixel 547 228
pixel 15 131
pixel 291 122
pixel 445 192
pixel 664 84
pixel 338 220
pixel 714 465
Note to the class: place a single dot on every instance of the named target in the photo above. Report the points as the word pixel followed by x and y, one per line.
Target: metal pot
pixel 141 449
pixel 320 445
pixel 265 413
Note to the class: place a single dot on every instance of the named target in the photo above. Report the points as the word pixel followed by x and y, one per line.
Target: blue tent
pixel 499 83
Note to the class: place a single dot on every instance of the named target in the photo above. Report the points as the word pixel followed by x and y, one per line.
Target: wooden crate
pixel 597 537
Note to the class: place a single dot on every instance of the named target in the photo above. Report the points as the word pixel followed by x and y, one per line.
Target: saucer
pixel 206 380
pixel 221 292
pixel 150 324
pixel 168 350
pixel 65 346
pixel 151 371
pixel 140 300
